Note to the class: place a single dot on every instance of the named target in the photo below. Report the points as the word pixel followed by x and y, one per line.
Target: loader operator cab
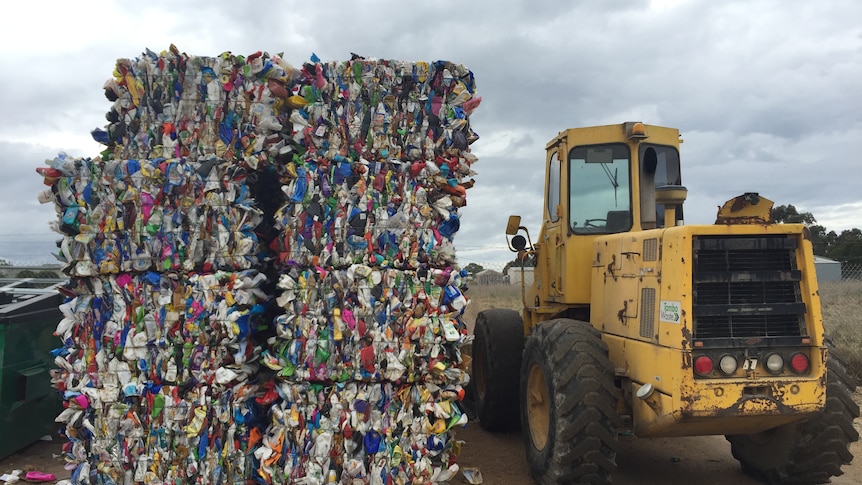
pixel 600 187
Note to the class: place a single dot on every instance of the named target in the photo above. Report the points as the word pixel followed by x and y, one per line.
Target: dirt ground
pixel 703 460
pixel 500 459
pixel 43 456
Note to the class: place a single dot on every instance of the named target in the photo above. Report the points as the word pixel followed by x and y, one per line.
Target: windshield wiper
pixel 613 178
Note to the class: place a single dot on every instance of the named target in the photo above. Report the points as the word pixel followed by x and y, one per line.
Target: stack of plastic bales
pixel 367 349
pixel 341 182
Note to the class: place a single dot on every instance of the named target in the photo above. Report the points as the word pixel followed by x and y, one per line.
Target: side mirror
pixel 513 225
pixel 518 242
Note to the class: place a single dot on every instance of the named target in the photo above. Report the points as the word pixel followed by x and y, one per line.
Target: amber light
pixel 636 130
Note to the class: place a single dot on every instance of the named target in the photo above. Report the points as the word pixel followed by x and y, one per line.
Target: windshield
pixel 599 189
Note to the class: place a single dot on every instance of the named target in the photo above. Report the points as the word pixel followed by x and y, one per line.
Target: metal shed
pixel 827 269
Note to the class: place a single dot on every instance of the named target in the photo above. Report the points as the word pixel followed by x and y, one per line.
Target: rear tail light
pixel 728 364
pixel 799 363
pixel 703 365
pixel 775 363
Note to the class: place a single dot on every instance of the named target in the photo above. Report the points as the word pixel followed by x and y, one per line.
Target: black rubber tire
pixel 810 451
pixel 493 388
pixel 582 424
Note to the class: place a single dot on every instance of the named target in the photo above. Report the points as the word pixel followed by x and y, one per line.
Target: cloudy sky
pixel 766 93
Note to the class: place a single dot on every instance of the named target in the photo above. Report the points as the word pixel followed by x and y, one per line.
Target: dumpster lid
pixel 23 295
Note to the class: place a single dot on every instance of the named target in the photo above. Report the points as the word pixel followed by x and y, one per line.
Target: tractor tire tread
pixel 501 333
pixel 820 445
pixel 584 440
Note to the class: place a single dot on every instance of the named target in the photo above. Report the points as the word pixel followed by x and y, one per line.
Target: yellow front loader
pixel 637 321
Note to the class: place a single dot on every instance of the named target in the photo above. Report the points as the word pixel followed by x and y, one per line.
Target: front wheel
pixel 493 388
pixel 568 404
pixel 810 451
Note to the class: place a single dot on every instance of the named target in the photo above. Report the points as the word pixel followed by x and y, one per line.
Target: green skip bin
pixel 28 403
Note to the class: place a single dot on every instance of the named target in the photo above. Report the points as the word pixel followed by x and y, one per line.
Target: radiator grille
pixel 746 292
pixel 648 312
pixel 746 287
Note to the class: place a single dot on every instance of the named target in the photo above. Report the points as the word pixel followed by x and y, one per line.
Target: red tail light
pixel 799 363
pixel 703 365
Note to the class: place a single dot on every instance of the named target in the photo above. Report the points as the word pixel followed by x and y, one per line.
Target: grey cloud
pixel 765 93
pixel 25 237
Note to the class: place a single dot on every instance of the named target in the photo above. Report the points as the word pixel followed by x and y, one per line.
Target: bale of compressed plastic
pixel 159 215
pixel 158 373
pixel 368 324
pixel 360 433
pixel 260 110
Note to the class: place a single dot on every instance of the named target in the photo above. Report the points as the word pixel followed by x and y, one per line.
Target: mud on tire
pixel 810 451
pixel 568 404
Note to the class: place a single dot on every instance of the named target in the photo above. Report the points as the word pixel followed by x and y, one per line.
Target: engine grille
pixel 648 312
pixel 746 287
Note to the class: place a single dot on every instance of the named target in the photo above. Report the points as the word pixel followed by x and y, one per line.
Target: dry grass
pixel 842 306
pixel 483 297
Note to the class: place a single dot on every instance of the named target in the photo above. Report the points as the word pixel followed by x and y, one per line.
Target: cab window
pixel 553 187
pixel 600 189
pixel 659 166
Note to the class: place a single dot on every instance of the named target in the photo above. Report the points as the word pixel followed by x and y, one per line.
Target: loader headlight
pixel 774 363
pixel 728 364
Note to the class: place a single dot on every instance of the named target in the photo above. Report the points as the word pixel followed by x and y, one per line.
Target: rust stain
pixel 686 338
pixel 610 266
pixel 740 220
pixel 621 315
pixel 823 378
pixel 779 391
pixel 688 397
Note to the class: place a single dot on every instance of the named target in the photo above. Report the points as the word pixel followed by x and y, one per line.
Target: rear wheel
pixel 568 404
pixel 810 451
pixel 493 388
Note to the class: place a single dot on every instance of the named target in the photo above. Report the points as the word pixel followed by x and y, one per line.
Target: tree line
pixel 845 247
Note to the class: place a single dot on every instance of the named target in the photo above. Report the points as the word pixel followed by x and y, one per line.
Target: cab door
pixel 555 230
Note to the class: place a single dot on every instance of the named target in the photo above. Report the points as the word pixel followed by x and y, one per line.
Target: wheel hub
pixel 538 407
